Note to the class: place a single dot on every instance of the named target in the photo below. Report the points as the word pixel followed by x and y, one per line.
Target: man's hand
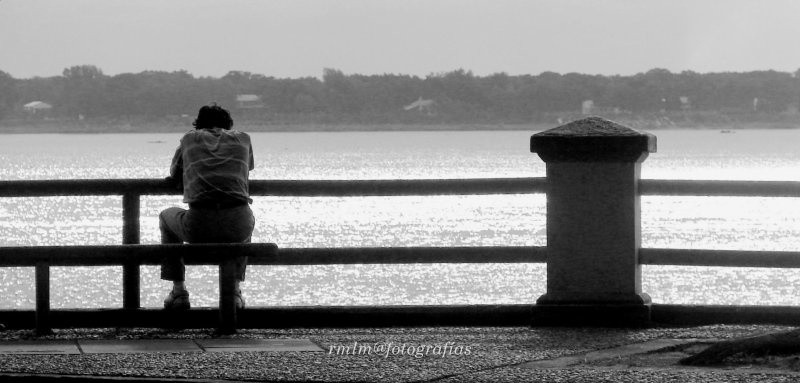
pixel 175 182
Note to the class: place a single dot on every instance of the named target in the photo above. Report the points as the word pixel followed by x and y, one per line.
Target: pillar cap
pixel 593 139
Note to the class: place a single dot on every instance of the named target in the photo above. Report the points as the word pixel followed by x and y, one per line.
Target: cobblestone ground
pixel 397 355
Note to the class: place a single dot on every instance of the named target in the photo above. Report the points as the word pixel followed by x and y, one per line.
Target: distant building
pixel 587 107
pixel 686 104
pixel 421 105
pixel 37 107
pixel 249 101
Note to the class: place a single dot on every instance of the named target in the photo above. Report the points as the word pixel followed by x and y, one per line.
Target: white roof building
pixel 421 105
pixel 36 106
pixel 249 101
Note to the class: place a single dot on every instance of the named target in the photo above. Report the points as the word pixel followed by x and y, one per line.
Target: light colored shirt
pixel 213 164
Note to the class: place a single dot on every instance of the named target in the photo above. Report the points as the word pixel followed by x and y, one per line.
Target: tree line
pixel 85 92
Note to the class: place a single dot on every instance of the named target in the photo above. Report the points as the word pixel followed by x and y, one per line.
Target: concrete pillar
pixel 593 224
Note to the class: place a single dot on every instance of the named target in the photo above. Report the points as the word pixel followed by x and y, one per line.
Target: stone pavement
pixel 462 354
pixel 132 346
pixel 81 346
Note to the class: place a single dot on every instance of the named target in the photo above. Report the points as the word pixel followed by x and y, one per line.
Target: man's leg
pixel 224 226
pixel 170 222
pixel 241 266
pixel 235 226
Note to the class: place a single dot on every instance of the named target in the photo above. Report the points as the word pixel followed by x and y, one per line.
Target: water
pixel 677 222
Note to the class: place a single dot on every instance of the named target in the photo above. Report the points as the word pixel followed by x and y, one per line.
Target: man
pixel 212 164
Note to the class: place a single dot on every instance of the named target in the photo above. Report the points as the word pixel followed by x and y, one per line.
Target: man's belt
pixel 217 204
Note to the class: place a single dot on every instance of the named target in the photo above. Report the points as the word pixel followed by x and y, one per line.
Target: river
pixel 677 222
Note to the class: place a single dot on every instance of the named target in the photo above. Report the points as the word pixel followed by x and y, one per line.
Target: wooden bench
pixel 42 257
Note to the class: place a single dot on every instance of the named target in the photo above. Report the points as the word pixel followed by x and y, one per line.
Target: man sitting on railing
pixel 212 164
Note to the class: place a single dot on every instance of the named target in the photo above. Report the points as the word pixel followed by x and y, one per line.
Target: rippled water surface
pixel 678 222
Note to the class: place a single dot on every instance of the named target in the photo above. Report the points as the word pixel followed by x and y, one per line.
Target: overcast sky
pixel 297 38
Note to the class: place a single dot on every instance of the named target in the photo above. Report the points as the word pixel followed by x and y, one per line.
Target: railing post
pixel 43 299
pixel 130 235
pixel 227 303
pixel 593 224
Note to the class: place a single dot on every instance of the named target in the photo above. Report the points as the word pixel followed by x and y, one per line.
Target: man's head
pixel 213 116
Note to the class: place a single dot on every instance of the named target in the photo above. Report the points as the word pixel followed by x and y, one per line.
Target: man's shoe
pixel 177 301
pixel 237 298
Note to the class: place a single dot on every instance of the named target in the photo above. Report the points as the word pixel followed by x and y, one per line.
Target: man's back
pixel 215 163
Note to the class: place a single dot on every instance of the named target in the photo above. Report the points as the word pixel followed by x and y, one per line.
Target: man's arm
pixel 252 162
pixel 176 168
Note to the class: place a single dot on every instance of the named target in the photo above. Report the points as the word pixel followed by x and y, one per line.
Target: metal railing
pixel 728 258
pixel 131 257
pixel 132 189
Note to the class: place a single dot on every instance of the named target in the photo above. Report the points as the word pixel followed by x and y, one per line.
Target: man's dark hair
pixel 211 116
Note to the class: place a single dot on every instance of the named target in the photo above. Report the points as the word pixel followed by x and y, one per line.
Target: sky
pixel 299 38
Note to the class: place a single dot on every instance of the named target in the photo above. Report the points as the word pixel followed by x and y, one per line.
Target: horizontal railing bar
pixel 697 315
pixel 269 254
pixel 344 188
pixel 381 316
pixel 85 187
pixel 262 254
pixel 298 188
pixel 727 258
pixel 285 316
pixel 108 255
pixel 395 255
pixel 720 188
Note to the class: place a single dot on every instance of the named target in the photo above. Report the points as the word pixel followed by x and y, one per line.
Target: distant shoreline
pixel 51 127
pixel 277 128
